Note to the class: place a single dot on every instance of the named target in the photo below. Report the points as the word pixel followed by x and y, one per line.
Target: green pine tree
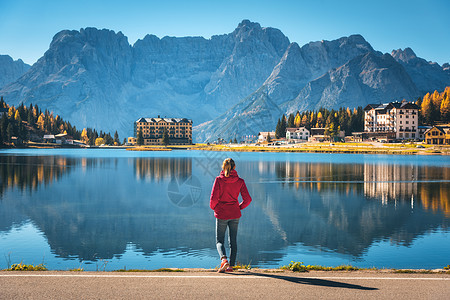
pixel 140 138
pixel 165 138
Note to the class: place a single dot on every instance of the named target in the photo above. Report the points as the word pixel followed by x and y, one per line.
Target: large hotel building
pixel 179 130
pixel 392 121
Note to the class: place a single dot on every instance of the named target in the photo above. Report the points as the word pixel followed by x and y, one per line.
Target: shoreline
pixel 326 148
pixel 339 148
pixel 246 270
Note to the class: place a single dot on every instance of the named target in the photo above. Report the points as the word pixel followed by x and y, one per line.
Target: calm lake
pixel 112 209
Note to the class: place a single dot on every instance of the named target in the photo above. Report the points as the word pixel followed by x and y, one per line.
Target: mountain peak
pixel 403 55
pixel 11 69
pixel 249 24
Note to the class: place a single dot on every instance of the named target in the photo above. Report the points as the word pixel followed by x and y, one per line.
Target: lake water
pixel 113 209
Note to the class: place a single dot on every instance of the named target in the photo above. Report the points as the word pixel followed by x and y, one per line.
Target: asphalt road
pixel 207 285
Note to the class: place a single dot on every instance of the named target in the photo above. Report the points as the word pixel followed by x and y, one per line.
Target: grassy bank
pixel 292 267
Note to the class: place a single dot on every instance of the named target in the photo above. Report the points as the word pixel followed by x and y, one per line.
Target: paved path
pixel 206 285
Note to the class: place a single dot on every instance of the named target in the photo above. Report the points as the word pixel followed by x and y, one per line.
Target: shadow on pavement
pixel 311 281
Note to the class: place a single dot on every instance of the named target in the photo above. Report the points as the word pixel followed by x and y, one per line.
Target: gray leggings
pixel 221 227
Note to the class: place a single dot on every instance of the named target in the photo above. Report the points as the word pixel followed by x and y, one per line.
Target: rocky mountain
pixel 446 67
pixel 11 70
pixel 368 78
pixel 427 76
pixel 297 67
pixel 230 85
pixel 95 78
pixel 355 75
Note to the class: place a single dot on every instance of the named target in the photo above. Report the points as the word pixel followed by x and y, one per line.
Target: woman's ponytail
pixel 227 166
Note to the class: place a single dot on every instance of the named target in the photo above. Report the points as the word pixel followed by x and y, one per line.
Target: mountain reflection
pixel 103 204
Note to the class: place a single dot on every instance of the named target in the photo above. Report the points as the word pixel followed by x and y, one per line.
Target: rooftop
pixel 168 120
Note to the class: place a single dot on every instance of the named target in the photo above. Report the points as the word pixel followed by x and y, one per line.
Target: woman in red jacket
pixel 227 210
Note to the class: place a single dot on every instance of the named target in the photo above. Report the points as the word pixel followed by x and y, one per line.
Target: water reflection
pixel 92 208
pixel 27 172
pixel 158 169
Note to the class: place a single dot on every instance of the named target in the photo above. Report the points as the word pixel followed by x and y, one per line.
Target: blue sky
pixel 28 26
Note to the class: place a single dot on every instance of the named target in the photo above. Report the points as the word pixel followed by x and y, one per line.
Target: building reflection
pixel 390 182
pixel 424 185
pixel 158 169
pixel 320 176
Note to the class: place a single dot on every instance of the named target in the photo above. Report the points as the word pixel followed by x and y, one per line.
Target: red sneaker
pixel 229 269
pixel 223 266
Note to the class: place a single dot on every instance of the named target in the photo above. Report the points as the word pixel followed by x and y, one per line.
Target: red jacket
pixel 224 196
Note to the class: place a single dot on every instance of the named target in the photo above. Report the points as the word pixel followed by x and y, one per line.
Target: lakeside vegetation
pixel 434 108
pixel 29 125
pixel 293 266
pixel 343 119
pixel 300 267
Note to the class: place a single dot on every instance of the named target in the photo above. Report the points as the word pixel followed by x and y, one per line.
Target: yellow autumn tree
pixel 305 121
pixel 319 119
pixel 17 116
pixel 349 112
pixel 428 110
pixel 437 100
pixel 11 112
pixel 84 136
pixel 445 106
pixel 297 120
pixel 99 141
pixel 40 122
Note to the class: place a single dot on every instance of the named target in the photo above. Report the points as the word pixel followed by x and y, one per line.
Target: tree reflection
pixel 29 172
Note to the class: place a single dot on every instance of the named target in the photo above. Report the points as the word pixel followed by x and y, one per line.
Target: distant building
pixel 319 135
pixel 131 140
pixel 63 138
pixel 438 135
pixel 262 136
pixel 179 130
pixel 297 133
pixel 49 138
pixel 422 130
pixel 392 121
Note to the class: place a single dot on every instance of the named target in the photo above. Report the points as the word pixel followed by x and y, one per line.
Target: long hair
pixel 227 166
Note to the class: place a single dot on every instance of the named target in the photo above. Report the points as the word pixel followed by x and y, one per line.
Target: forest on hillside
pixel 25 124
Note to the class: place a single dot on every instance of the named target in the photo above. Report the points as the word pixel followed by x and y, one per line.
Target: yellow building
pixel 178 129
pixel 131 140
pixel 438 135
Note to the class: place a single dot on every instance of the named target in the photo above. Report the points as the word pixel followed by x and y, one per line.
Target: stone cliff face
pixel 95 78
pixel 239 83
pixel 427 76
pixel 11 70
pixel 369 78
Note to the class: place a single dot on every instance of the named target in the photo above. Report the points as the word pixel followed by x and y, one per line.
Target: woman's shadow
pixel 310 281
